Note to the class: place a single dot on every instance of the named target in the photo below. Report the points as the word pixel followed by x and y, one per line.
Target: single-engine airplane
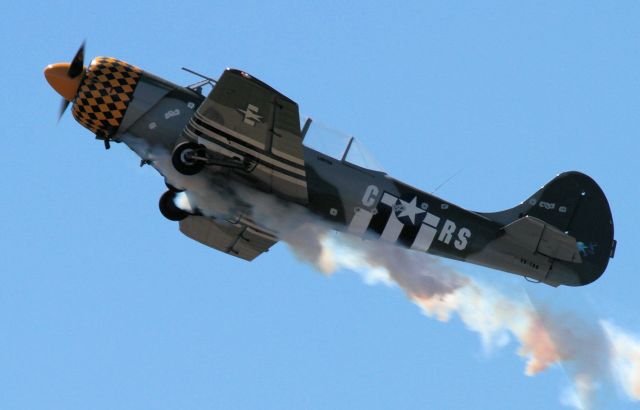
pixel 246 131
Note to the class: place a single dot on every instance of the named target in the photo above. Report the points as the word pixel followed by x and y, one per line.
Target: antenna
pixel 197 87
pixel 188 70
pixel 346 151
pixel 447 180
pixel 305 128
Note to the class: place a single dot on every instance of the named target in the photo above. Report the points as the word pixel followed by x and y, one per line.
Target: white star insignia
pixel 410 209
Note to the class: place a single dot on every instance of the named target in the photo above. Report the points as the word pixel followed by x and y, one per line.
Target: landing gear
pixel 188 158
pixel 168 208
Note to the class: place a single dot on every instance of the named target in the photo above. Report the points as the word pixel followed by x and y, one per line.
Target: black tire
pixel 168 208
pixel 180 160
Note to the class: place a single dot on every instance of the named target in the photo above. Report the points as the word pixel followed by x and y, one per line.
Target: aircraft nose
pixel 57 76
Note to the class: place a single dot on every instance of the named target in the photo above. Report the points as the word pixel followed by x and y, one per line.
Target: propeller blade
pixel 77 65
pixel 63 108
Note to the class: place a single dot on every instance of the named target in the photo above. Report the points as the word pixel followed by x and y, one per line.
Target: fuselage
pixel 376 206
pixel 356 200
pixel 122 103
pixel 353 199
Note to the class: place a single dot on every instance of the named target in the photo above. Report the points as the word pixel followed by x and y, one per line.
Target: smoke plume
pixel 594 355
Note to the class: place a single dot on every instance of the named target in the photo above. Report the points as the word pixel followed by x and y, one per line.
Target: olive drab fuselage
pixel 562 234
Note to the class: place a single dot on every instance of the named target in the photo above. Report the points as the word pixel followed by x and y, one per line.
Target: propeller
pixel 65 78
pixel 77 64
pixel 63 107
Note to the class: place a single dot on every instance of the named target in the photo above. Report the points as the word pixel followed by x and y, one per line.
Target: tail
pixel 574 204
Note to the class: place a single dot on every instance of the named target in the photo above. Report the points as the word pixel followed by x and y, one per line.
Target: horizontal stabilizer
pixel 539 237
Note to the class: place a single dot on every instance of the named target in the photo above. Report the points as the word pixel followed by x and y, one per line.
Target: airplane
pixel 246 132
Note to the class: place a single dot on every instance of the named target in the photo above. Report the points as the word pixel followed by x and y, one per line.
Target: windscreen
pixel 336 144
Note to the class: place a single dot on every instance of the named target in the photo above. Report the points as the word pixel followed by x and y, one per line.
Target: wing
pixel 237 239
pixel 244 117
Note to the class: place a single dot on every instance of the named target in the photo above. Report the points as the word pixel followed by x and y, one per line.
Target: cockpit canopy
pixel 338 145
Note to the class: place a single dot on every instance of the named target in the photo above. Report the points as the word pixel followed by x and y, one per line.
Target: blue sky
pixel 104 304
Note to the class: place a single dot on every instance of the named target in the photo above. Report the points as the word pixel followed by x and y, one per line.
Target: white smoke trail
pixel 594 354
pixel 625 354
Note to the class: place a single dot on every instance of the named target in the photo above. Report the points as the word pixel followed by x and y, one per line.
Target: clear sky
pixel 105 305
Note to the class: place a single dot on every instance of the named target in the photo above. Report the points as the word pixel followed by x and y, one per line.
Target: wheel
pixel 168 208
pixel 181 158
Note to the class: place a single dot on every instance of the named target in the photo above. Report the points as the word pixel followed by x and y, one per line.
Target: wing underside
pixel 245 118
pixel 237 239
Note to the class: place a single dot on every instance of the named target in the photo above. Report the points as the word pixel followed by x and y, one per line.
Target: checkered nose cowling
pixel 104 95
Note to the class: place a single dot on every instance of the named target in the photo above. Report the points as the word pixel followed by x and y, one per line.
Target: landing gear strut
pixel 168 208
pixel 190 158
